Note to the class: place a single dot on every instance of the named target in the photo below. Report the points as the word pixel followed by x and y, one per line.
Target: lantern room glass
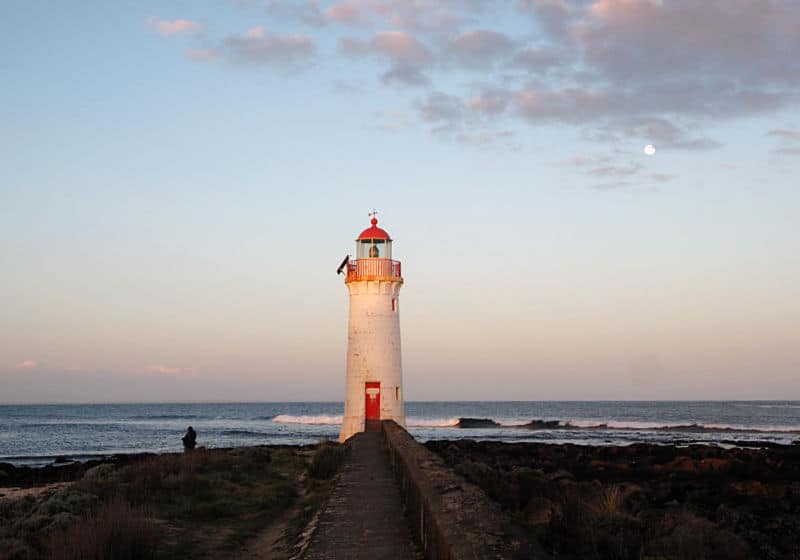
pixel 374 248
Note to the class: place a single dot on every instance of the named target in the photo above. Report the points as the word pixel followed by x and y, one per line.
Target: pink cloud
pixel 407 55
pixel 168 370
pixel 256 32
pixel 397 46
pixel 26 364
pixel 259 46
pixel 166 28
pixel 424 16
pixel 490 102
pixel 479 48
pixel 202 55
pixel 401 46
pixel 344 12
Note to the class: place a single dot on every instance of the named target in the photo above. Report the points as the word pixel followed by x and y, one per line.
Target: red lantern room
pixel 374 243
pixel 373 259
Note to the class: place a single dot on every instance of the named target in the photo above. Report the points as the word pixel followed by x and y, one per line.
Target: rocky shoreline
pixel 642 500
pixel 60 470
pixel 572 501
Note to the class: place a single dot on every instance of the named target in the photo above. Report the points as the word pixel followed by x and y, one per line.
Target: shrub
pixel 69 501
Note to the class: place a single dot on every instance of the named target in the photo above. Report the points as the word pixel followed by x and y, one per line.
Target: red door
pixel 372 403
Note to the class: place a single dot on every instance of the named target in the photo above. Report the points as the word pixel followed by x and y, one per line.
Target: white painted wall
pixel 373 352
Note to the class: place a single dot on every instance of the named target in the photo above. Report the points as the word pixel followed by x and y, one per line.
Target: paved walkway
pixel 364 516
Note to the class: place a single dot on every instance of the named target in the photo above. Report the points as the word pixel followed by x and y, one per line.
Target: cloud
pixel 662 177
pixel 574 105
pixel 456 121
pixel 397 46
pixel 490 102
pixel 661 41
pixel 431 17
pixel 167 370
pixel 202 55
pixel 392 120
pixel 167 28
pixel 441 109
pixel 614 170
pixel 26 364
pixel 665 134
pixel 405 75
pixel 258 46
pixel 307 11
pixel 654 70
pixel 534 59
pixel 611 185
pixel 659 69
pixel 406 54
pixel 479 49
pixel 348 13
pixel 584 161
pixel 488 138
pixel 785 134
pixel 788 141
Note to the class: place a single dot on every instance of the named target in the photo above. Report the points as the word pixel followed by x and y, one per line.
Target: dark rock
pixel 543 425
pixel 477 423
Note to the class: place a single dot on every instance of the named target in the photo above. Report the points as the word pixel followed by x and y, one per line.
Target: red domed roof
pixel 374 232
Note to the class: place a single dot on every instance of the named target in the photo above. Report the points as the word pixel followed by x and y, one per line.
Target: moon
pixel 649 149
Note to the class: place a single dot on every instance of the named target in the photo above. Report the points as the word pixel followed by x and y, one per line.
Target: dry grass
pixel 115 530
pixel 608 502
pixel 326 460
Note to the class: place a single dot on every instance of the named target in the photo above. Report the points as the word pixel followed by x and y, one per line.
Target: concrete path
pixel 364 516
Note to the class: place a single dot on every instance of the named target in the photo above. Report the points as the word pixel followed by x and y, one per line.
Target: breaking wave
pixel 322 419
pixel 432 422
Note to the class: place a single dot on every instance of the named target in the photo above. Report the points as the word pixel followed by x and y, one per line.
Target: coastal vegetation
pixel 208 503
pixel 642 502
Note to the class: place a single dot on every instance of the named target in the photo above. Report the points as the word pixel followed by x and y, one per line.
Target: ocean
pixel 37 434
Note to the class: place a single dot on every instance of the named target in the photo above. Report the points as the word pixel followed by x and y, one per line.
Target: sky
pixel 179 181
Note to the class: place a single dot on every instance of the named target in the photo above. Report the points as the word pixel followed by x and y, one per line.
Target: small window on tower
pixel 397 393
pixel 394 305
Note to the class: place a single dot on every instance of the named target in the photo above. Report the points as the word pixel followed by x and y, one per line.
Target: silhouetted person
pixel 189 439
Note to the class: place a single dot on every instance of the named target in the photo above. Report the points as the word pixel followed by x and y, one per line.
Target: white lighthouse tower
pixel 374 389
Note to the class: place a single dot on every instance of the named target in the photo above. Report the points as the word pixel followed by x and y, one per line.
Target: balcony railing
pixel 372 269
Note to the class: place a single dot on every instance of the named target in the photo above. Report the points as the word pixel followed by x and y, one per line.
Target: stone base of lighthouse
pixel 374 387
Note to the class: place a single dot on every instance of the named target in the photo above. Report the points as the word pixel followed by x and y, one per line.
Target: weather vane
pixel 373 213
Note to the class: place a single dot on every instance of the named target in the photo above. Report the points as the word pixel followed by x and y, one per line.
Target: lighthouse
pixel 374 385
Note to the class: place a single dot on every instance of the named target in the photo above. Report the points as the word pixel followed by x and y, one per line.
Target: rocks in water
pixel 543 425
pixel 477 423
